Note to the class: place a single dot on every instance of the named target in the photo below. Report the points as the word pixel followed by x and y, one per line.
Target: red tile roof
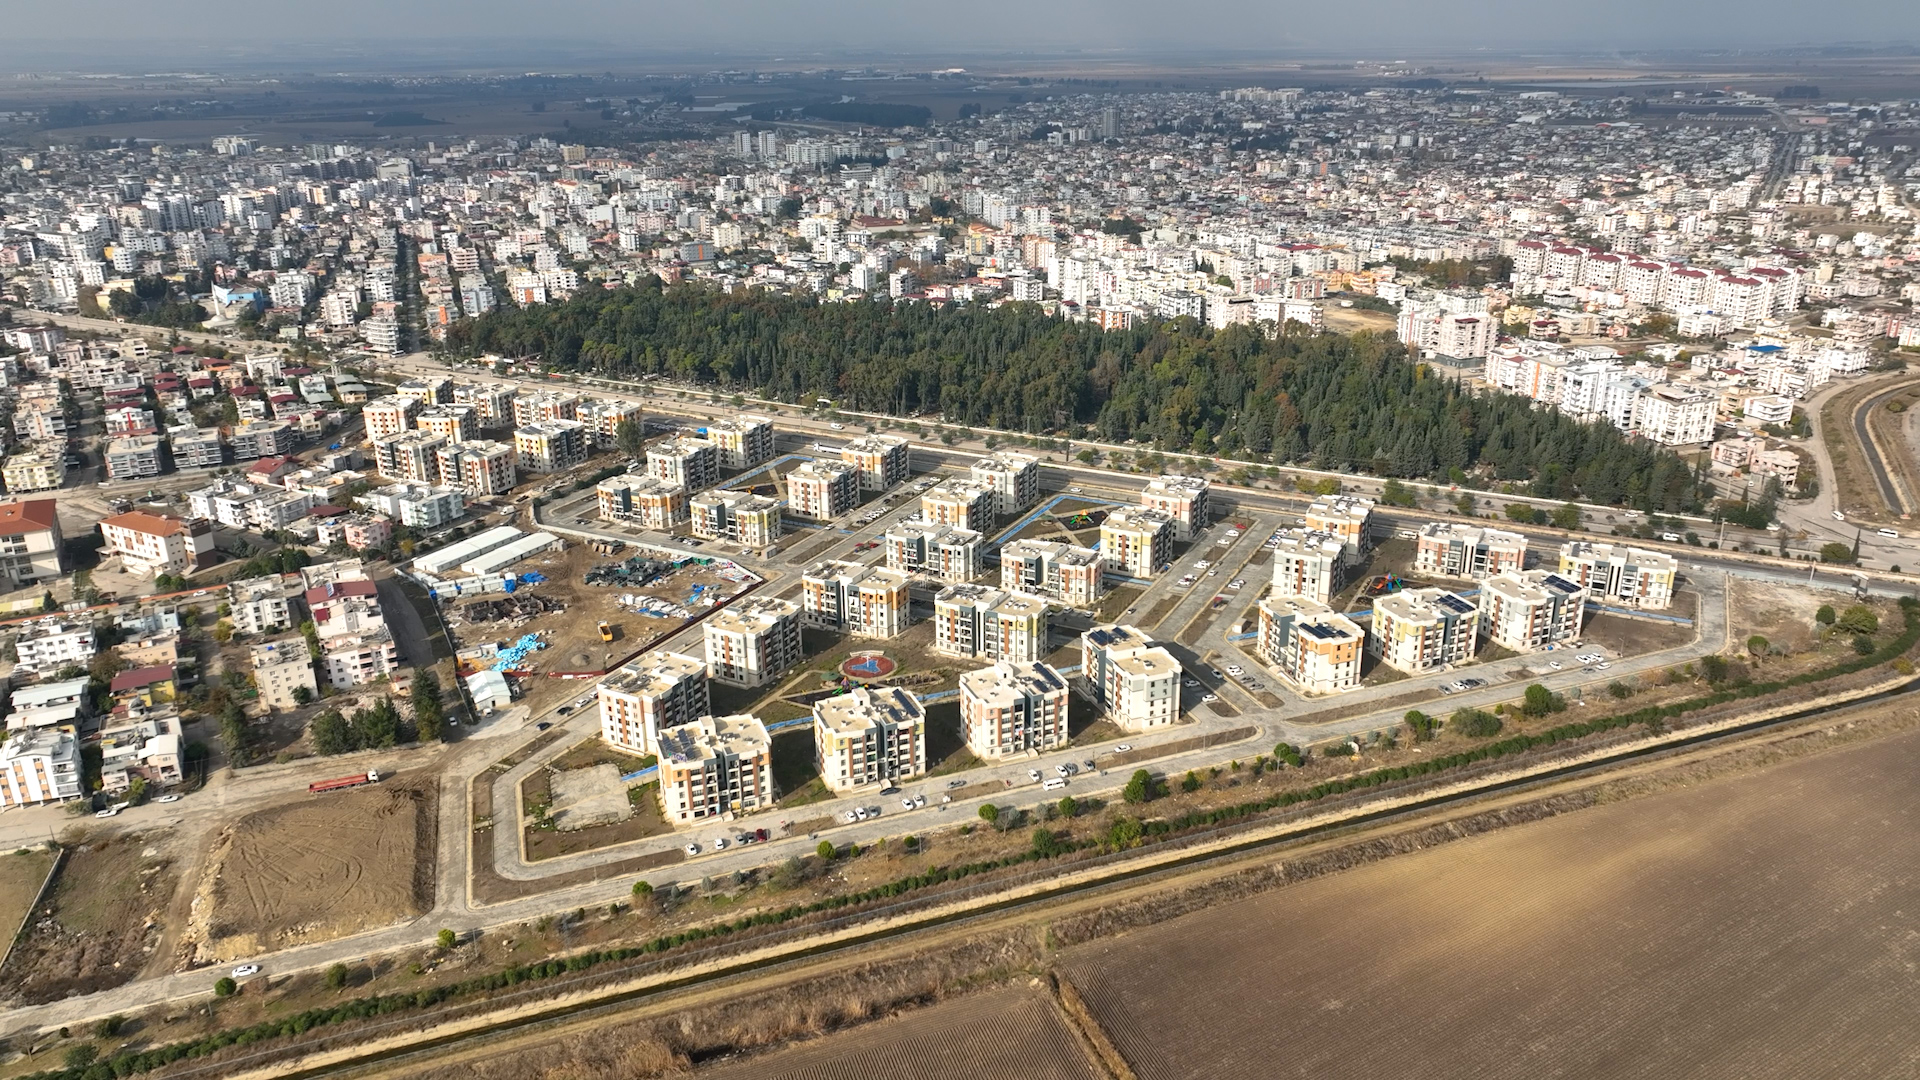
pixel 140 677
pixel 28 515
pixel 151 524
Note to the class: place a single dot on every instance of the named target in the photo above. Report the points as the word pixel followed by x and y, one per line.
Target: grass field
pixel 20 876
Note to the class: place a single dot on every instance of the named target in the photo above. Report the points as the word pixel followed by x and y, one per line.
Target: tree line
pixel 1342 402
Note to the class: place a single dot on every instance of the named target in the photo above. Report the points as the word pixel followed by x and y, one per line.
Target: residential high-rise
pixel 550 445
pixel 479 468
pixel 865 601
pixel 1310 645
pixel 1348 517
pixel 1620 574
pixel 869 736
pixel 753 641
pixel 1137 542
pixel 1183 498
pixel 822 490
pixel 1134 681
pixel 1308 564
pixel 410 455
pixel 694 464
pixel 742 441
pixel 1015 479
pixel 647 501
pixel 1530 610
pixel 654 692
pixel 454 423
pixel 1013 708
pixel 882 460
pixel 974 620
pixel 965 504
pixel 943 552
pixel 31 544
pixel 1072 575
pixel 739 517
pixel 1453 549
pixel 1420 630
pixel 715 767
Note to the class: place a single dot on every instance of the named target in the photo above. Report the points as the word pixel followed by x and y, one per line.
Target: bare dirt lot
pixel 98 926
pixel 1744 927
pixel 323 867
pixel 20 876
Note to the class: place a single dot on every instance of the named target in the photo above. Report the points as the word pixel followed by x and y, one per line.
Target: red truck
pixel 371 776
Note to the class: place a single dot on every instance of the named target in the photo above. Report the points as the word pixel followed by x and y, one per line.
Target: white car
pixel 1124 747
pixel 245 970
pixel 1838 516
pixel 919 801
pixel 1554 664
pixel 1211 697
pixel 838 427
pixel 107 813
pixel 1603 665
pixel 1033 774
pixel 1202 564
pixel 719 843
pixel 906 804
pixel 1073 491
pixel 693 849
pixel 1237 583
pixel 167 799
pixel 1234 669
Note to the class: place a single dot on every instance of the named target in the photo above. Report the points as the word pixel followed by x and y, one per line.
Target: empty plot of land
pixel 99 923
pixel 1754 926
pixel 1010 1034
pixel 590 796
pixel 323 867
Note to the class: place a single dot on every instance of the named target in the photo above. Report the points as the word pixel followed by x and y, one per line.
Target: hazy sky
pixel 773 27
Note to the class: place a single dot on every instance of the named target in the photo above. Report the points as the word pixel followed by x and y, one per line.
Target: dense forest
pixel 1333 401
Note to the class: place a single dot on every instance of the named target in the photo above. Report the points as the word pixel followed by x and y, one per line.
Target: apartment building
pixel 1619 574
pixel 1135 682
pixel 975 620
pixel 30 541
pixel 864 601
pixel 492 401
pixel 653 692
pixel 259 605
pixel 151 544
pixel 31 471
pixel 942 552
pixel 197 447
pixel 418 506
pixel 694 464
pixel 1675 415
pixel 1075 576
pixel 882 460
pixel 964 504
pixel 137 456
pixel 1013 708
pixel 742 441
pixel 545 407
pixel 409 456
pixel 646 501
pixel 1308 563
pixel 52 643
pixel 359 531
pixel 715 767
pixel 478 468
pixel 1137 542
pixel 550 445
pixel 1348 517
pixel 1310 645
pixel 823 490
pixel 753 641
pixel 1183 498
pixel 281 670
pixel 454 423
pixel 1531 610
pixel 1420 630
pixel 602 417
pixel 869 736
pixel 1015 479
pixel 1452 324
pixel 39 766
pixel 391 415
pixel 357 659
pixel 739 517
pixel 1457 550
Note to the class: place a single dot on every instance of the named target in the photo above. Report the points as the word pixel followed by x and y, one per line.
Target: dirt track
pixel 326 866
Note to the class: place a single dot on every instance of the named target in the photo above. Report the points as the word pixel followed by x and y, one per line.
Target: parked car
pixel 167 799
pixel 1124 747
pixel 1033 774
pixel 245 970
pixel 693 848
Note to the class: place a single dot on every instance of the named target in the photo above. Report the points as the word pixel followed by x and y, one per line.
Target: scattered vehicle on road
pixel 1838 516
pixel 719 843
pixel 371 776
pixel 1234 669
pixel 693 849
pixel 1888 533
pixel 1033 774
pixel 164 799
pixel 542 726
pixel 107 813
pixel 956 783
pixel 1054 784
pixel 245 970
pixel 1123 747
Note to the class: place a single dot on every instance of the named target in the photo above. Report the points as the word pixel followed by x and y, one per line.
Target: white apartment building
pixel 479 468
pixel 1307 643
pixel 1449 324
pixel 974 620
pixel 259 605
pixel 1309 564
pixel 753 641
pixel 823 490
pixel 1674 415
pixel 1419 630
pixel 964 504
pixel 1013 708
pixel 1182 498
pixel 390 416
pixel 653 692
pixel 39 766
pixel 1015 479
pixel 48 645
pixel 714 767
pixel 550 445
pixel 742 441
pixel 602 417
pixel 882 460
pixel 410 455
pixel 1348 517
pixel 869 736
pixel 1074 576
pixel 280 670
pixel 30 541
pixel 1531 610
pixel 454 423
pixel 865 601
pixel 419 506
pixel 357 659
pixel 694 464
pixel 1457 550
pixel 740 517
pixel 942 552
pixel 1134 681
pixel 646 501
pixel 1137 542
pixel 1619 574
pixel 152 544
pixel 32 471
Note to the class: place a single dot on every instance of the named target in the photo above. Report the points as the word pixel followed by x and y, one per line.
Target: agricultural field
pixel 321 867
pixel 100 924
pixel 1706 921
pixel 1015 1034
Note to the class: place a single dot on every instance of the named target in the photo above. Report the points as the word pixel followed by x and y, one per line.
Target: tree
pixel 1836 552
pixel 1474 723
pixel 312 634
pixel 629 438
pixel 1757 646
pixel 1539 701
pixel 642 888
pixel 1567 516
pixel 1045 843
pixel 1420 724
pixel 106 664
pixel 1714 669
pixel 428 713
pixel 1190 783
pixel 329 734
pixel 302 695
pixel 234 732
pixel 1863 645
pixel 1288 753
pixel 446 938
pixel 81 1056
pixel 1859 619
pixel 1067 807
pixel 336 976
pixel 1139 787
pixel 136 791
pixel 989 813
pixel 1825 616
pixel 825 850
pixel 224 987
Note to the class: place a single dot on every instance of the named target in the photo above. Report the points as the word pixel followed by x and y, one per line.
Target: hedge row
pixel 386 1004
